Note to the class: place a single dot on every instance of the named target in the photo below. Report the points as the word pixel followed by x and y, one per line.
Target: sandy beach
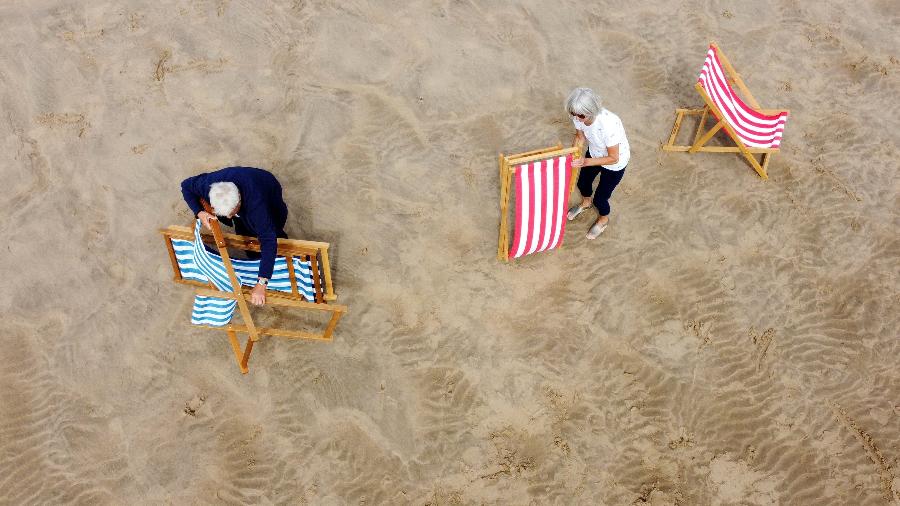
pixel 726 341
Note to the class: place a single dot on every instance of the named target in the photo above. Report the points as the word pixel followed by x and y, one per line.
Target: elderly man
pixel 250 199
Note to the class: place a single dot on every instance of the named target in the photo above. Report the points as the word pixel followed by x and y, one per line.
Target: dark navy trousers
pixel 609 179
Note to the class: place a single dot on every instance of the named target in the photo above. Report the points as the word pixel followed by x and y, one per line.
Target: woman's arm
pixel 611 157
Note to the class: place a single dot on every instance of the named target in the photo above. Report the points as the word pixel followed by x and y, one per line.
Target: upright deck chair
pixel 754 130
pixel 543 184
pixel 301 279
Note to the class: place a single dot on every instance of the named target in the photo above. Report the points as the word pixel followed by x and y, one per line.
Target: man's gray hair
pixel 224 197
pixel 585 102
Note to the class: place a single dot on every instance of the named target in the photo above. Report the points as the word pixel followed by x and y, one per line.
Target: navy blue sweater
pixel 262 208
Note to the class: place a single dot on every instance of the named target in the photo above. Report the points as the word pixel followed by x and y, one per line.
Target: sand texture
pixel 727 341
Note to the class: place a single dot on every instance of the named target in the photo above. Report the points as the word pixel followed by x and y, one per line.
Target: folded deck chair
pixel 752 129
pixel 301 279
pixel 543 181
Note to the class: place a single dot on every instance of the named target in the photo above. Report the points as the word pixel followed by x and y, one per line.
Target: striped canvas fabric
pixel 197 263
pixel 754 128
pixel 542 190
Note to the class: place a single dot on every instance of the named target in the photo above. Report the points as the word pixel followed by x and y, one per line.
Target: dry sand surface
pixel 727 340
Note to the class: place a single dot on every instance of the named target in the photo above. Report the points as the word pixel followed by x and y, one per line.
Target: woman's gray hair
pixel 224 197
pixel 584 101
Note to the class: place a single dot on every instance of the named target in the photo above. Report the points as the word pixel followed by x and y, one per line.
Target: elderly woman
pixel 607 154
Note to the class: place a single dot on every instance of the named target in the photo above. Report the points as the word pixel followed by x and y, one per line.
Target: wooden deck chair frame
pixel 701 138
pixel 507 166
pixel 314 252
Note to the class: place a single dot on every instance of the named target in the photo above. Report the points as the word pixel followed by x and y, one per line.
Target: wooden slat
pixel 772 112
pixel 317 284
pixel 292 275
pixel 679 116
pixel 215 292
pixel 269 331
pixel 192 282
pixel 173 258
pixel 503 244
pixel 701 125
pixel 543 156
pixel 286 247
pixel 229 268
pixel 326 270
pixel 718 149
pixel 537 151
pixel 274 298
pixel 578 144
pixel 507 190
pixel 700 141
pixel 280 299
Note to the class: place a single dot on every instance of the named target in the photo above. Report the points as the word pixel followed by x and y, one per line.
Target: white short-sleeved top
pixel 606 130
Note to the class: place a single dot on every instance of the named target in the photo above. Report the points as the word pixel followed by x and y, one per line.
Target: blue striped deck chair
pixel 301 279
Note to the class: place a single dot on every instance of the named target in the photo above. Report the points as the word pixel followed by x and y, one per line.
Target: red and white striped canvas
pixel 754 128
pixel 542 191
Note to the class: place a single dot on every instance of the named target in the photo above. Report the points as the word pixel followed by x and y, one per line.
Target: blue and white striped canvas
pixel 197 263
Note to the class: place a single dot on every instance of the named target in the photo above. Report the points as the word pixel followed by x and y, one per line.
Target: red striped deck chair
pixel 753 130
pixel 543 181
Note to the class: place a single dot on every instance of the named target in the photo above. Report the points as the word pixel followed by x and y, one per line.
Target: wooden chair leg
pixel 246 357
pixel 335 316
pixel 576 171
pixel 756 166
pixel 240 357
pixel 503 241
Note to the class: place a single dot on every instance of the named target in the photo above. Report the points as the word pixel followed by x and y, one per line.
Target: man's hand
pixel 258 294
pixel 578 162
pixel 205 218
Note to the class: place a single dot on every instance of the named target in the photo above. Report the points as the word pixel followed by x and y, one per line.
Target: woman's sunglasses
pixel 579 116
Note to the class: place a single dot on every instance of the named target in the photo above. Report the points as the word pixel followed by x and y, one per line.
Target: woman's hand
pixel 205 218
pixel 611 158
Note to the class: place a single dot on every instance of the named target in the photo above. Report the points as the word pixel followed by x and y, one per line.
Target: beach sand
pixel 728 340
